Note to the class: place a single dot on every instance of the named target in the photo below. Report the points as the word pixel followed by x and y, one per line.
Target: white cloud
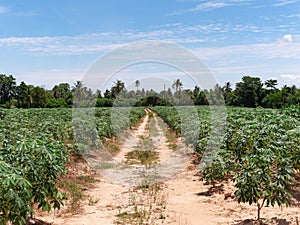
pixel 225 61
pixel 63 45
pixel 288 46
pixel 286 40
pixel 287 37
pixel 275 50
pixel 4 9
pixel 11 41
pixel 209 6
pixel 292 77
pixel 294 15
pixel 262 60
pixel 106 41
pixel 50 77
pixel 284 2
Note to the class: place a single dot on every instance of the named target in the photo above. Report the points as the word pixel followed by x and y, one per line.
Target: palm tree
pixel 227 88
pixel 271 84
pixel 79 90
pixel 137 84
pixel 227 91
pixel 177 85
pixel 98 94
pixel 118 88
pixel 218 90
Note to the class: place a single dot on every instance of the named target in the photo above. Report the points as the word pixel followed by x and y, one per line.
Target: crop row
pixel 258 149
pixel 34 147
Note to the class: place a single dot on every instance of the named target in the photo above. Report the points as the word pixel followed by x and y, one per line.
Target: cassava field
pixel 244 168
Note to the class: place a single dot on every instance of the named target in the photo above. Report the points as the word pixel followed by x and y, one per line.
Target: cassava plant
pixel 263 179
pixel 29 170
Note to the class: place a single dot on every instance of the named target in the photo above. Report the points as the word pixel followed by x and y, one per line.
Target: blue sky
pixel 48 42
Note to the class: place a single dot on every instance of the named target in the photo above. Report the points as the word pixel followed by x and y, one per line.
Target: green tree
pixel 137 84
pixel 7 89
pixel 63 94
pixel 80 92
pixel 249 92
pixel 227 91
pixel 63 90
pixel 177 85
pixel 195 93
pixel 273 100
pixel 98 94
pixel 271 84
pixel 284 97
pixel 23 96
pixel 117 88
pixel 107 94
pixel 39 97
pixel 199 97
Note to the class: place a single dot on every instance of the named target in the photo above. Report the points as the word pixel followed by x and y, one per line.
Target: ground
pixel 182 199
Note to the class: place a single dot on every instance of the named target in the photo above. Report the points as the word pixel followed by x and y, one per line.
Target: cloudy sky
pixel 47 42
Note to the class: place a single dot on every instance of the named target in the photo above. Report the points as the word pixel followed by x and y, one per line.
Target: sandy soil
pixel 182 199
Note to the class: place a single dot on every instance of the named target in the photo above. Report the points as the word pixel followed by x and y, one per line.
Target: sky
pixel 48 42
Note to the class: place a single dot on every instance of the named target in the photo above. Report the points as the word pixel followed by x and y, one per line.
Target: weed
pixel 111 147
pixel 87 179
pixel 93 201
pixel 144 207
pixel 171 139
pixel 104 165
pixel 146 158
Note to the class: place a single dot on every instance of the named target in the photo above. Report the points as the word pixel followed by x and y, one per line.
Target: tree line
pixel 250 92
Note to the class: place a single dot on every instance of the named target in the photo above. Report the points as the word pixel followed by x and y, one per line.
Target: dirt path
pixel 162 145
pixel 152 128
pixel 181 199
pixel 132 141
pixel 192 203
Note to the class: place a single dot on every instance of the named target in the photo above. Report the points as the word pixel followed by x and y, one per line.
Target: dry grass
pixel 146 205
pixel 112 146
pixel 79 177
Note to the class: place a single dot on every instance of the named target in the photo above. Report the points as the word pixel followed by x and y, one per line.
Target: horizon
pixel 164 86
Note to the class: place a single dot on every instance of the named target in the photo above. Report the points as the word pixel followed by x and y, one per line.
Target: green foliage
pixel 28 173
pixel 214 171
pixel 250 92
pixel 33 154
pixel 7 89
pixel 264 176
pixel 259 151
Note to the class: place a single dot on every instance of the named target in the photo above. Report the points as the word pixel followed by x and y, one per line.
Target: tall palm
pixel 271 84
pixel 177 84
pixel 227 88
pixel 137 84
pixel 79 90
pixel 118 88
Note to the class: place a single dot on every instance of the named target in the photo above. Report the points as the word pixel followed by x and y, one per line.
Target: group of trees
pixel 250 92
pixel 30 96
